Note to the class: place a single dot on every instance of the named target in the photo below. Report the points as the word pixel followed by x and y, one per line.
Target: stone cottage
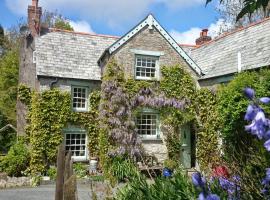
pixel 74 62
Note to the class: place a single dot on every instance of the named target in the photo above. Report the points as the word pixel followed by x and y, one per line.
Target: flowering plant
pixel 260 127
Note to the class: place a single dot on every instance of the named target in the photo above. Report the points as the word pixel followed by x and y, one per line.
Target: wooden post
pixel 68 167
pixel 60 173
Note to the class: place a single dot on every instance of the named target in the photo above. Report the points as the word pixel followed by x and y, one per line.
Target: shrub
pixel 123 169
pixel 81 170
pixel 246 156
pixel 52 173
pixel 17 160
pixel 177 187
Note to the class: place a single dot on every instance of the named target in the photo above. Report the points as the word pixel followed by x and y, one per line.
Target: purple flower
pixel 212 197
pixel 249 92
pixel 258 125
pixel 267 145
pixel 251 113
pixel 265 100
pixel 198 180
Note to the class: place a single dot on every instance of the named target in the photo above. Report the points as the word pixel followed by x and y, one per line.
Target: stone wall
pixel 149 40
pixel 11 182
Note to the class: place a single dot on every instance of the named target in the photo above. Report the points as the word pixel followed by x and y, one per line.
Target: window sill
pixel 146 79
pixel 79 110
pixel 146 140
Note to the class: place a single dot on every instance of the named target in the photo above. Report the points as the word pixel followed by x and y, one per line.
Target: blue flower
pixel 265 100
pixel 198 180
pixel 212 197
pixel 249 92
pixel 251 113
pixel 167 172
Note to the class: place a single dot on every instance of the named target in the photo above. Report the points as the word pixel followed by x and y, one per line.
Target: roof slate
pixel 70 54
pixel 220 56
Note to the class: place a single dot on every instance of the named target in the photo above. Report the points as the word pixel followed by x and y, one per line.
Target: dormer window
pixel 79 98
pixel 146 67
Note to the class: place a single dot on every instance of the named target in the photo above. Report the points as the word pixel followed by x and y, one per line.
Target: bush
pixel 123 169
pixel 177 187
pixel 245 155
pixel 52 173
pixel 81 170
pixel 16 161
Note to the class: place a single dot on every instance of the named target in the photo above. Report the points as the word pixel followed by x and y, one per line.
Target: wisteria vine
pixel 116 111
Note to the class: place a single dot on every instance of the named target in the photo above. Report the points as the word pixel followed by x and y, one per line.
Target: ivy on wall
pixel 49 113
pixel 208 151
pixel 171 96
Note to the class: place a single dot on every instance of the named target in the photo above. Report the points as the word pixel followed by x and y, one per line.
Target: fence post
pixel 60 173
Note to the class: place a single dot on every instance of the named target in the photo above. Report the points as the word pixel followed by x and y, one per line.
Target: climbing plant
pixel 49 113
pixel 208 150
pixel 122 97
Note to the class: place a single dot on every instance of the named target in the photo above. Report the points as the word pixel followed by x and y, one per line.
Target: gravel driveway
pixel 44 192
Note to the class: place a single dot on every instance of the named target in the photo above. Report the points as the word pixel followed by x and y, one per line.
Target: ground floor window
pixel 148 124
pixel 75 141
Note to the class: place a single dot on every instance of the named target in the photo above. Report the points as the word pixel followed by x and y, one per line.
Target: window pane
pixel 147 124
pixel 79 97
pixel 146 66
pixel 76 143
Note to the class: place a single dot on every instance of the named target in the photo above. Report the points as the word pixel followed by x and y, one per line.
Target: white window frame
pixel 156 58
pixel 85 109
pixel 74 132
pixel 150 112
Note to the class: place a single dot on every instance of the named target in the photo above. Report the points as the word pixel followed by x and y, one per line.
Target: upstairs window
pixel 148 125
pixel 146 67
pixel 79 98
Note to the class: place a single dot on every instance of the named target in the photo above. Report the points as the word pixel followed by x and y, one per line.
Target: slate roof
pixel 70 54
pixel 220 56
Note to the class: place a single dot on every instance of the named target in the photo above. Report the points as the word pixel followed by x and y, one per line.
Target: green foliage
pixel 208 152
pixel 24 94
pixel 177 83
pixel 123 169
pixel 178 187
pixel 48 116
pixel 9 69
pixel 52 172
pixel 170 164
pixel 63 25
pixel 244 153
pixel 49 113
pixel 55 20
pixel 16 161
pixel 80 169
pixel 7 137
pixel 2 36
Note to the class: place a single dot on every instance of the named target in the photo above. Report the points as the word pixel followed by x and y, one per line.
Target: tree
pixel 249 7
pixel 2 35
pixel 55 20
pixel 229 10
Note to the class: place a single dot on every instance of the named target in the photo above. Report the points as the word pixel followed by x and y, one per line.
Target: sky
pixel 183 19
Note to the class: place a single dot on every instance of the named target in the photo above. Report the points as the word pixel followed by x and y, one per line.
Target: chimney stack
pixel 34 15
pixel 203 37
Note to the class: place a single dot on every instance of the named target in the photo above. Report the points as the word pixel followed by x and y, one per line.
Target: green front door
pixel 186 146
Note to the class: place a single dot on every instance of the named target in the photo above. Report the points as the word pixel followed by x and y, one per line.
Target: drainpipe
pixel 53 82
